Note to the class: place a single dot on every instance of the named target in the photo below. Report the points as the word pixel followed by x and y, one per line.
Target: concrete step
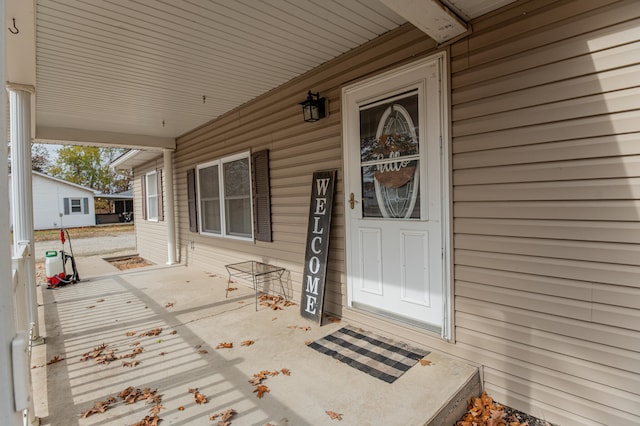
pixel 455 408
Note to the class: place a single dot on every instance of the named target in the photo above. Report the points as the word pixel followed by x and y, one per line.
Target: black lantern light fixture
pixel 313 108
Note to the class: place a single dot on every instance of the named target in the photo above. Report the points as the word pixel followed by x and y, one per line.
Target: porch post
pixel 169 213
pixel 7 307
pixel 21 188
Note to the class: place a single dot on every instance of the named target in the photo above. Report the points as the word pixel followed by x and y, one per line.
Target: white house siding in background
pixel 545 143
pixel 49 198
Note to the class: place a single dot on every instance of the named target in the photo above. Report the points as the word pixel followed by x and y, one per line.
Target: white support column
pixel 169 214
pixel 21 188
pixel 8 414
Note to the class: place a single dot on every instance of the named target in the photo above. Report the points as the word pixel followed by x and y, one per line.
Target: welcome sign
pixel 317 251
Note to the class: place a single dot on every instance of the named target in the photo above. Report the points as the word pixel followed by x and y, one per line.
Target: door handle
pixel 352 201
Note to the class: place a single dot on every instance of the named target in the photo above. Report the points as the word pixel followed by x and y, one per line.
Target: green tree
pixel 89 166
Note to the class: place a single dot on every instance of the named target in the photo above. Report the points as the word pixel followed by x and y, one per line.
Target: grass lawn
pixel 83 232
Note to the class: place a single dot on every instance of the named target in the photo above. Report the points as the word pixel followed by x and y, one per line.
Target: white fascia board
pixel 70 136
pixel 429 16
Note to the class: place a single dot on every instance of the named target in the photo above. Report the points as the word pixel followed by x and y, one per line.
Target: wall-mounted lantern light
pixel 313 108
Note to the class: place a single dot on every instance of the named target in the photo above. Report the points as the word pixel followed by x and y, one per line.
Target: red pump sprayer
pixel 56 264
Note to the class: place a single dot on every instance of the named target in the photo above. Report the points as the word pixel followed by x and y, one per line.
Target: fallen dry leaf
pixel 169 305
pixel 334 415
pixel 98 407
pixel 131 333
pixel 174 332
pixel 181 408
pixel 247 343
pixel 199 397
pixel 484 411
pixel 261 390
pixel 226 417
pixel 286 371
pixel 148 421
pixel 152 332
pixel 54 360
pixel 425 362
pixel 255 380
pixel 155 410
pixel 332 319
pixel 130 363
pixel 225 345
pixel 162 353
pixel 232 288
pixel 92 306
pixel 99 300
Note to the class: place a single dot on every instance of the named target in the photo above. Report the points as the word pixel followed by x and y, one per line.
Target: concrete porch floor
pixel 104 307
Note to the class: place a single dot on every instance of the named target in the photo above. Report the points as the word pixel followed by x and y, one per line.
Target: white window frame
pixel 223 222
pixel 71 200
pixel 151 198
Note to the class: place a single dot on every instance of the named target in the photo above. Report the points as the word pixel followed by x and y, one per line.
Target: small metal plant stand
pixel 257 273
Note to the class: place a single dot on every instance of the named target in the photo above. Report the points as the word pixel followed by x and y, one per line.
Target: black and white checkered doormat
pixel 377 356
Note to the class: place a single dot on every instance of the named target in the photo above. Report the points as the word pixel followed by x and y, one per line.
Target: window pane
pixel 208 182
pixel 237 192
pixel 152 208
pixel 386 195
pixel 152 185
pixel 76 206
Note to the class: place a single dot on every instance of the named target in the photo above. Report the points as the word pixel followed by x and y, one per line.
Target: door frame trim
pixel 445 182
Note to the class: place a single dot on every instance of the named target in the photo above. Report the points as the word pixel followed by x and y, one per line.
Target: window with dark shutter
pixel 85 202
pixel 261 195
pixel 160 192
pixel 143 187
pixel 191 196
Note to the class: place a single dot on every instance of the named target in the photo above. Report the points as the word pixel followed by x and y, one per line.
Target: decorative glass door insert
pixel 390 158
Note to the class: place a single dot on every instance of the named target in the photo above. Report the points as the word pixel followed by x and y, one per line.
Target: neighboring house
pixel 119 207
pixel 58 203
pixel 486 205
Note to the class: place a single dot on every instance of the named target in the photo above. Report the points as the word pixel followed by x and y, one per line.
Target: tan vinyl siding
pixel 546 206
pixel 545 111
pixel 151 237
pixel 296 150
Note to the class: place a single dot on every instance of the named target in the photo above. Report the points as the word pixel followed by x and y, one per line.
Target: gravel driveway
pixel 122 242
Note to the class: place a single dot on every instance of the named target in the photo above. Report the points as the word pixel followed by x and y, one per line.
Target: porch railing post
pixel 21 187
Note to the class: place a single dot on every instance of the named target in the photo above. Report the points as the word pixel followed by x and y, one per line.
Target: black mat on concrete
pixel 375 355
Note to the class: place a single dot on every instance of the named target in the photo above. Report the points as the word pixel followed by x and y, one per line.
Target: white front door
pixel 393 127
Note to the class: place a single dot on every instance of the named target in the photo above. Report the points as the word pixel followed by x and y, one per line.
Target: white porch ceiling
pixel 131 72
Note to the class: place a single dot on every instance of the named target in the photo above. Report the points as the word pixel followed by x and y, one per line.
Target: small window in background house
pixel 76 205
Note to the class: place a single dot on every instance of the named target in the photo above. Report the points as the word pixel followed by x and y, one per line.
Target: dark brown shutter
pixel 192 202
pixel 160 194
pixel 143 186
pixel 261 195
